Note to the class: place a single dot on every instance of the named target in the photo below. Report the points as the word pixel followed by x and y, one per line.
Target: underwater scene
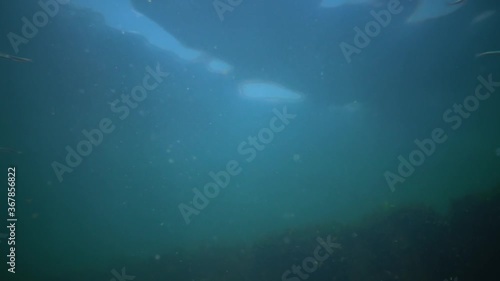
pixel 237 140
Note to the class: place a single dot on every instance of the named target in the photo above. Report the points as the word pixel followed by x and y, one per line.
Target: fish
pixel 9 150
pixel 488 53
pixel 14 58
pixel 483 16
pixel 456 2
pixel 432 9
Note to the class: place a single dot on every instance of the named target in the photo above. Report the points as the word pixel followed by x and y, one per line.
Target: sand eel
pixel 456 2
pixel 488 53
pixel 14 58
pixel 9 150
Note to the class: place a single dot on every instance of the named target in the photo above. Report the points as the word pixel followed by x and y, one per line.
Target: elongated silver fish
pixel 9 150
pixel 14 58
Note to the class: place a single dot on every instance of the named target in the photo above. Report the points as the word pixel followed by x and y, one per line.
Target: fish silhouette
pixel 9 150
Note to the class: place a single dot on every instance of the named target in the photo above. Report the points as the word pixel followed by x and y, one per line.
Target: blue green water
pixel 126 108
